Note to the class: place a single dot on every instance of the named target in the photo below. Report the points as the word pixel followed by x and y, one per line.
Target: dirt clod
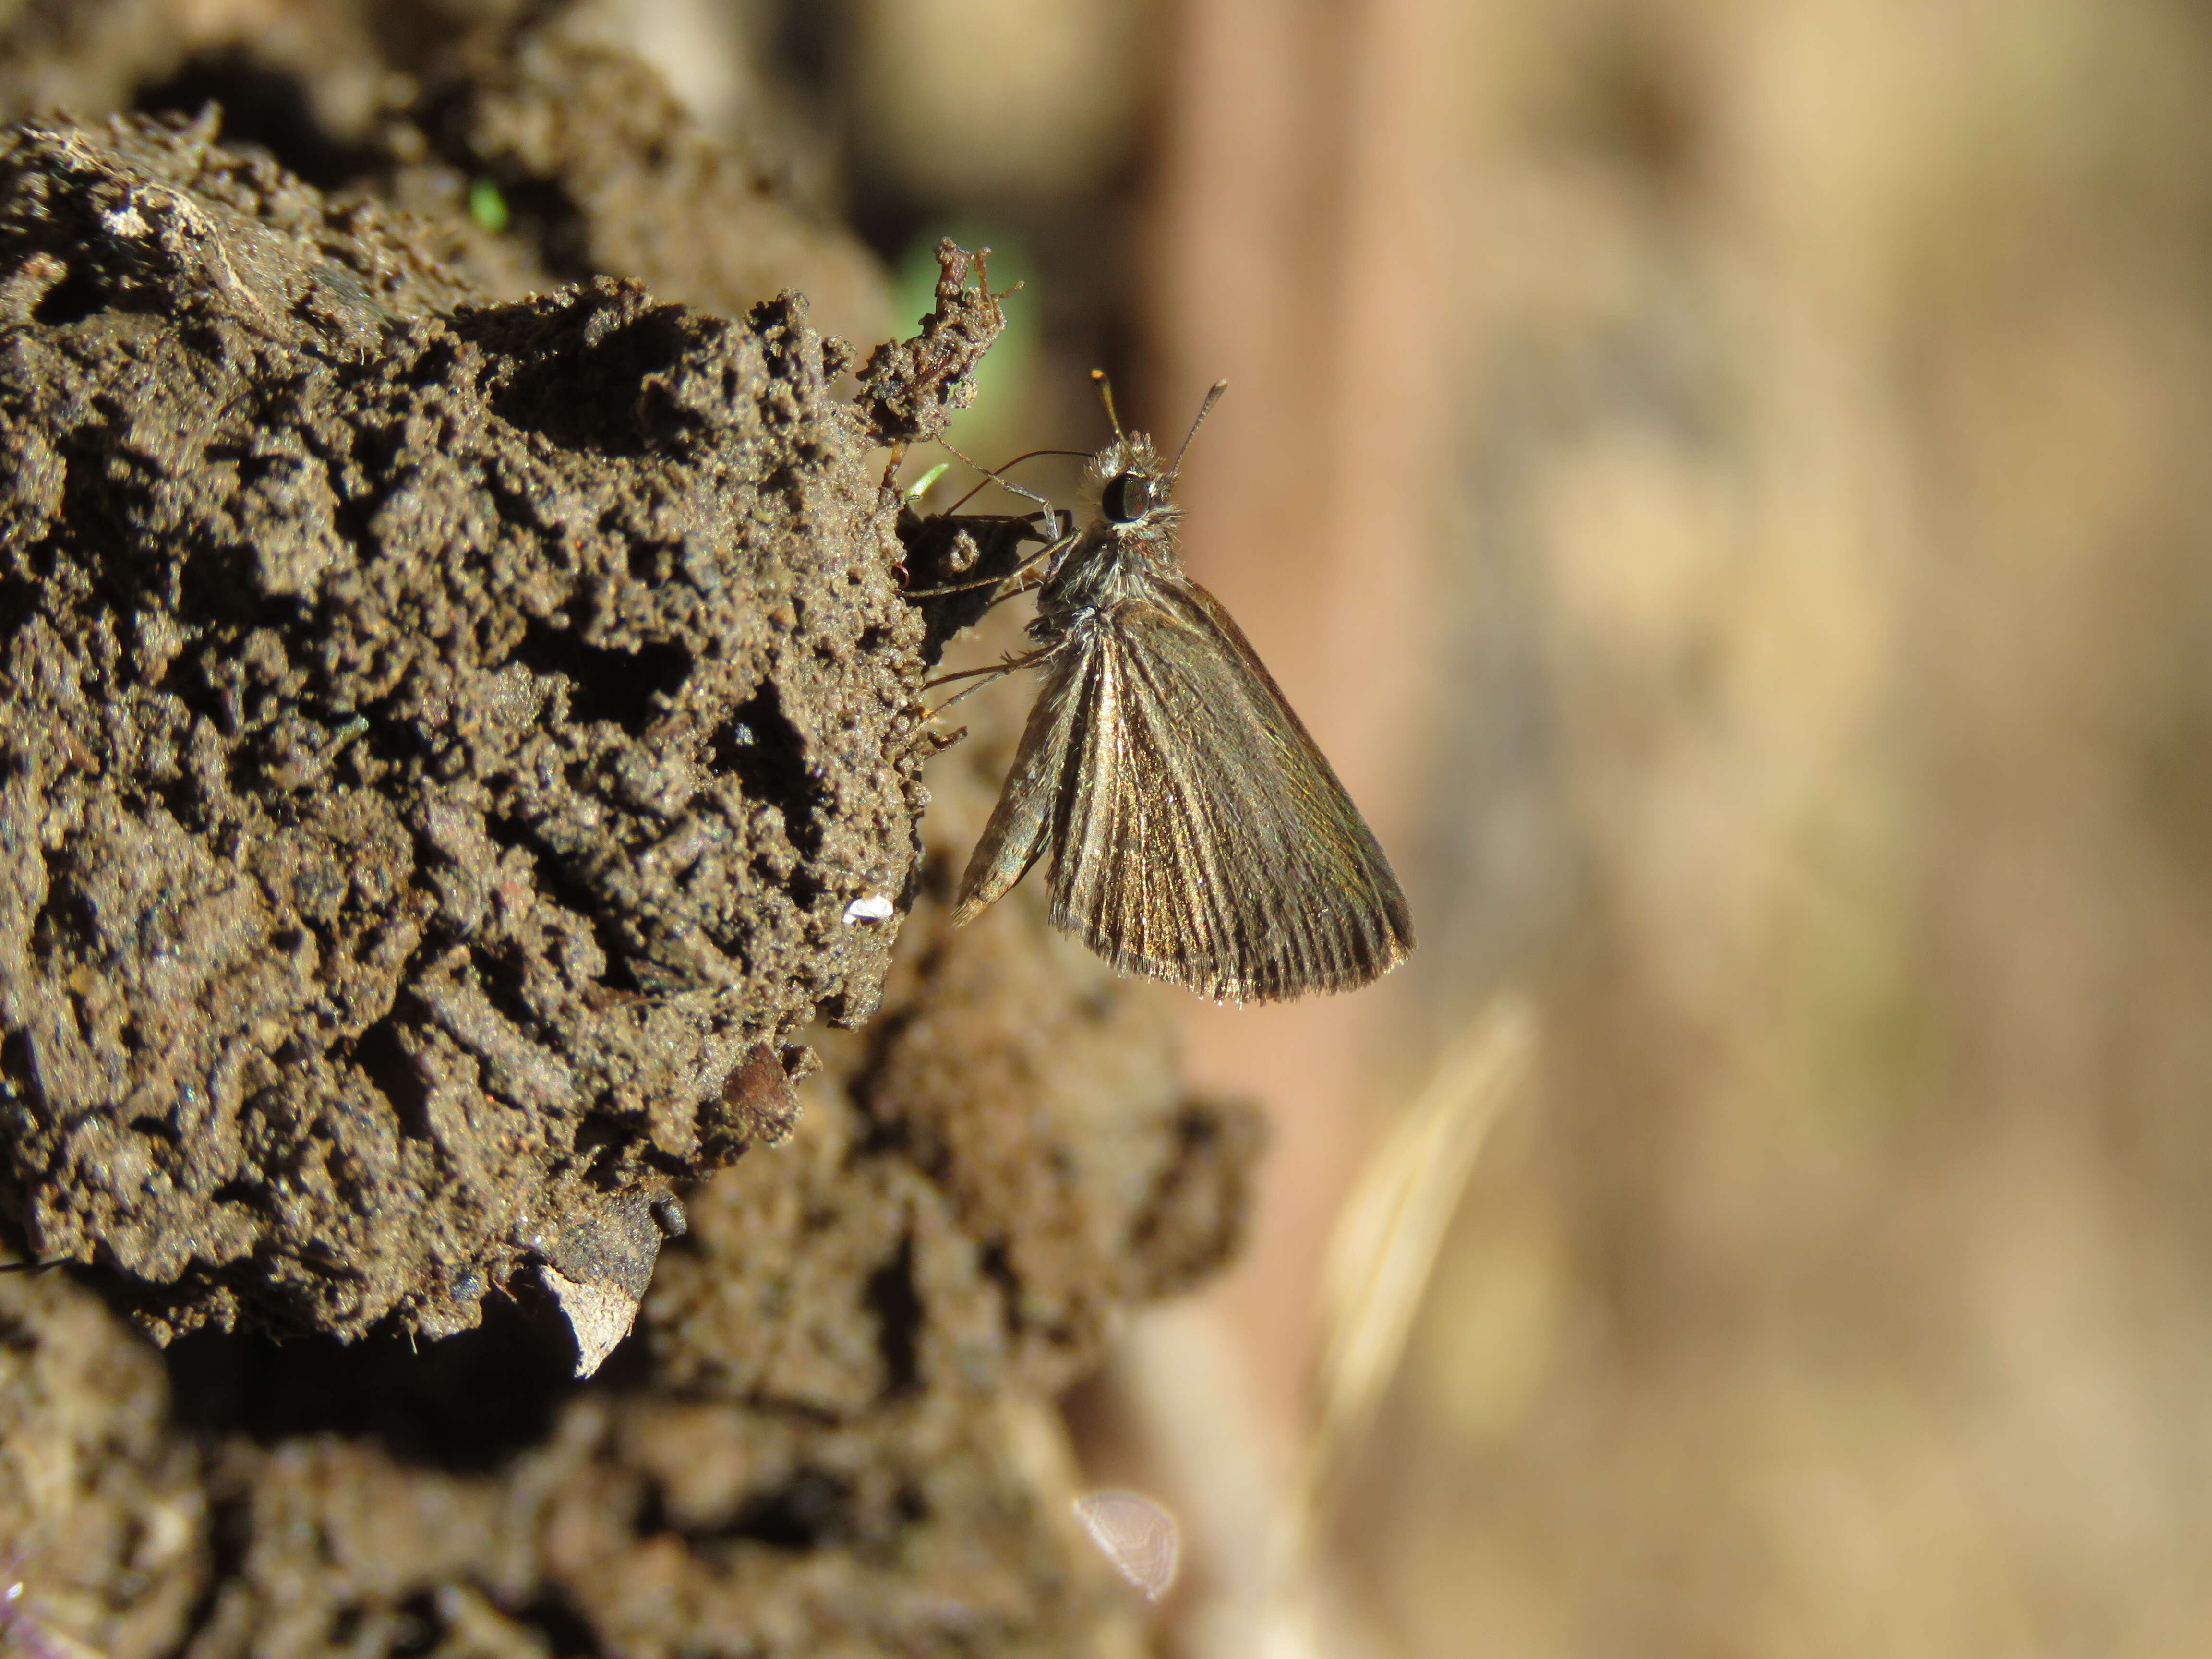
pixel 442 739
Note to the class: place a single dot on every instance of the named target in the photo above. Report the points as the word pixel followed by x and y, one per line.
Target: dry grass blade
pixel 1386 1241
pixel 1277 1603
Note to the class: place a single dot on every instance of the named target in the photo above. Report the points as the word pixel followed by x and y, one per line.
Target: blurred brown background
pixel 1726 483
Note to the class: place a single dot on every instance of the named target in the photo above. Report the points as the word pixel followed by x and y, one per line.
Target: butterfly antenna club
pixel 1212 397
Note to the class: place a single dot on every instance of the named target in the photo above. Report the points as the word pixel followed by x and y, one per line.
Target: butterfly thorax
pixel 1108 567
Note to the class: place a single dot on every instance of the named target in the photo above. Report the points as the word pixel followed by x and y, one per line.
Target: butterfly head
pixel 1136 491
pixel 1132 484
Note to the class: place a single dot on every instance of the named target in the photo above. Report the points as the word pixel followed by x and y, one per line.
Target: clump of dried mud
pixel 442 739
pixel 460 737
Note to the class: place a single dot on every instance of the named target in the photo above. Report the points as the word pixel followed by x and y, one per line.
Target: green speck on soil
pixel 487 207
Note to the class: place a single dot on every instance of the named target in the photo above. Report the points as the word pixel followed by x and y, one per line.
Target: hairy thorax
pixel 1108 568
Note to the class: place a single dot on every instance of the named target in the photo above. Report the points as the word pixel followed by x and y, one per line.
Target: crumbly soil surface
pixel 462 876
pixel 442 739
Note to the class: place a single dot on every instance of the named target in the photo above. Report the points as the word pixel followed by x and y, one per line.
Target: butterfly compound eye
pixel 1128 497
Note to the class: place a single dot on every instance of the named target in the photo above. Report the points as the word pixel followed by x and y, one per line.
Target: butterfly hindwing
pixel 1021 823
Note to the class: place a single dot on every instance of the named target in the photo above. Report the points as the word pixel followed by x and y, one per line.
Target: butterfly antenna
pixel 1106 396
pixel 1051 513
pixel 1213 397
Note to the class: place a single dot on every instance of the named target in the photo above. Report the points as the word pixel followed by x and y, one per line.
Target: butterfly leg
pixel 1030 581
pixel 983 677
pixel 1051 513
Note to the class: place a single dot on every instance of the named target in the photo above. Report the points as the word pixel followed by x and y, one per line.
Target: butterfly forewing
pixel 1198 834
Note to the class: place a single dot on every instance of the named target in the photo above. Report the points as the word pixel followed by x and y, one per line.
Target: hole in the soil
pixel 809 1512
pixel 467 1401
pixel 631 688
pixel 230 1537
pixel 16 1069
pixel 78 296
pixel 555 882
pixel 760 746
pixel 566 1630
pixel 67 924
pixel 998 1266
pixel 261 106
pixel 391 1070
pixel 579 377
pixel 180 797
pixel 892 1298
pixel 506 981
pixel 420 1625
